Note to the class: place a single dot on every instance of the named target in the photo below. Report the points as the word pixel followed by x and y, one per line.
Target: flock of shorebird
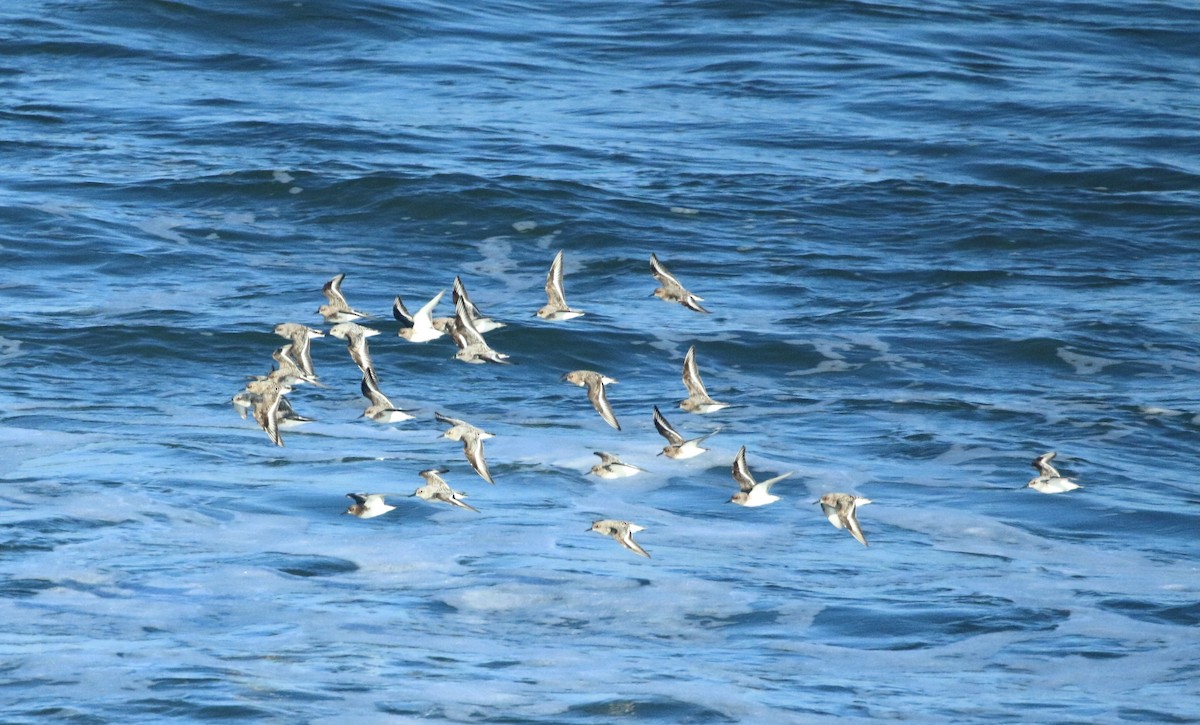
pixel 265 397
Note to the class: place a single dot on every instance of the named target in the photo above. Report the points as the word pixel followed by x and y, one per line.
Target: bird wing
pixel 555 296
pixel 370 390
pixel 691 376
pixel 741 472
pixel 665 429
pixel 424 317
pixel 661 274
pixel 333 291
pixel 400 312
pixel 473 448
pixel 600 402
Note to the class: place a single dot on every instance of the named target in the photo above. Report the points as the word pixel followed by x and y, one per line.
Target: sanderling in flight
pixel 288 417
pixel 472 348
pixel 436 489
pixel 676 446
pixel 622 531
pixel 381 410
pixel 356 336
pixel 270 392
pixel 368 505
pixel 472 439
pixel 300 336
pixel 698 400
pixel 595 382
pixel 421 327
pixel 752 493
pixel 842 511
pixel 338 310
pixel 481 323
pixel 556 307
pixel 671 290
pixel 612 467
pixel 290 370
pixel 244 401
pixel 1049 480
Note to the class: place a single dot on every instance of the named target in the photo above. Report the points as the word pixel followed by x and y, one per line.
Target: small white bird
pixel 472 439
pixel 622 531
pixel 556 307
pixel 356 336
pixel 595 382
pixel 421 327
pixel 1049 480
pixel 698 400
pixel 677 447
pixel 338 310
pixel 671 290
pixel 436 489
pixel 611 466
pixel 368 505
pixel 842 511
pixel 381 409
pixel 752 493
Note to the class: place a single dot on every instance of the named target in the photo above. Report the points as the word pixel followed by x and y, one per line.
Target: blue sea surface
pixel 936 239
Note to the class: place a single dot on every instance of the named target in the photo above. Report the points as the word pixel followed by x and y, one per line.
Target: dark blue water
pixel 937 239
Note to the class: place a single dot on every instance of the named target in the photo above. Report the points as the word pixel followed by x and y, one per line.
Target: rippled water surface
pixel 937 239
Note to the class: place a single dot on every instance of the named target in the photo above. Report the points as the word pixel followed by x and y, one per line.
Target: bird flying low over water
pixel 436 489
pixel 622 531
pixel 368 505
pixel 698 400
pixel 1049 480
pixel 671 290
pixel 300 336
pixel 472 439
pixel 472 348
pixel 338 310
pixel 556 307
pixel 270 392
pixel 421 327
pixel 288 417
pixel 595 382
pixel 381 410
pixel 752 493
pixel 677 447
pixel 481 322
pixel 289 368
pixel 356 336
pixel 842 511
pixel 611 466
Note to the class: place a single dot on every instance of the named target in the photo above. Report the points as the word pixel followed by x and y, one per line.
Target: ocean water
pixel 937 239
